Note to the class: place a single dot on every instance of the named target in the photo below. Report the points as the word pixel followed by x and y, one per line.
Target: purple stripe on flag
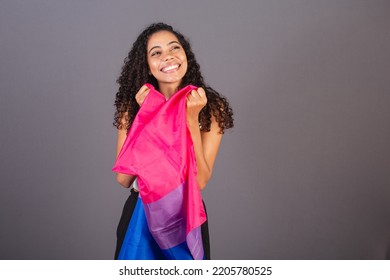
pixel 194 242
pixel 167 219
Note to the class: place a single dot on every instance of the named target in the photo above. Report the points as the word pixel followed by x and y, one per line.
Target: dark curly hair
pixel 135 73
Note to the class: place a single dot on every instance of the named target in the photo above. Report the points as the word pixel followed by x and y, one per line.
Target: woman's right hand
pixel 141 94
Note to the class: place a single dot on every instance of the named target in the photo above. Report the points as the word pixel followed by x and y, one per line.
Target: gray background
pixel 303 175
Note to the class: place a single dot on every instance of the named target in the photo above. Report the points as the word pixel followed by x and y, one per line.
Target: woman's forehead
pixel 161 38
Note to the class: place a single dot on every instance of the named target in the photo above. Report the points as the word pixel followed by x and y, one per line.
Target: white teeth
pixel 169 68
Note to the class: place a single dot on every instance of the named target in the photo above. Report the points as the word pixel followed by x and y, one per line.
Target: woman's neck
pixel 168 89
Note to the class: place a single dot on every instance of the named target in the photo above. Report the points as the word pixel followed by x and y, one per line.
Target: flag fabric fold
pixel 159 151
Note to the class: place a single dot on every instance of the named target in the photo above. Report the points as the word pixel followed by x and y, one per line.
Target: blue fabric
pixel 140 245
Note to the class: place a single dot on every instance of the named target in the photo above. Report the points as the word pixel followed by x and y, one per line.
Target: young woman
pixel 163 58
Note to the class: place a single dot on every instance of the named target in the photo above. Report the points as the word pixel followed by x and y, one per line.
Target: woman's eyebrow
pixel 170 43
pixel 153 48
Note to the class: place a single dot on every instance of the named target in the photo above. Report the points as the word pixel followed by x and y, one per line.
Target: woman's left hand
pixel 196 100
pixel 205 143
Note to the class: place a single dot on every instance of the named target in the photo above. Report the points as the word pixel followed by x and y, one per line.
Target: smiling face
pixel 167 59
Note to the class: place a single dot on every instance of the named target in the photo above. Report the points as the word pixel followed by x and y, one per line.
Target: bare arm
pixel 126 180
pixel 123 179
pixel 206 144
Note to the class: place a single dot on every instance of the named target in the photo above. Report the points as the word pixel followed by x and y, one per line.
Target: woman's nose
pixel 168 57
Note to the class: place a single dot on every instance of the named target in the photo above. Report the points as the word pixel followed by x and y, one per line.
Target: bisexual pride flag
pixel 166 223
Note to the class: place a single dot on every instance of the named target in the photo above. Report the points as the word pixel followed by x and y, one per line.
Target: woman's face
pixel 166 58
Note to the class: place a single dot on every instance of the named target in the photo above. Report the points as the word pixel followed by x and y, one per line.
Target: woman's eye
pixel 156 53
pixel 176 48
